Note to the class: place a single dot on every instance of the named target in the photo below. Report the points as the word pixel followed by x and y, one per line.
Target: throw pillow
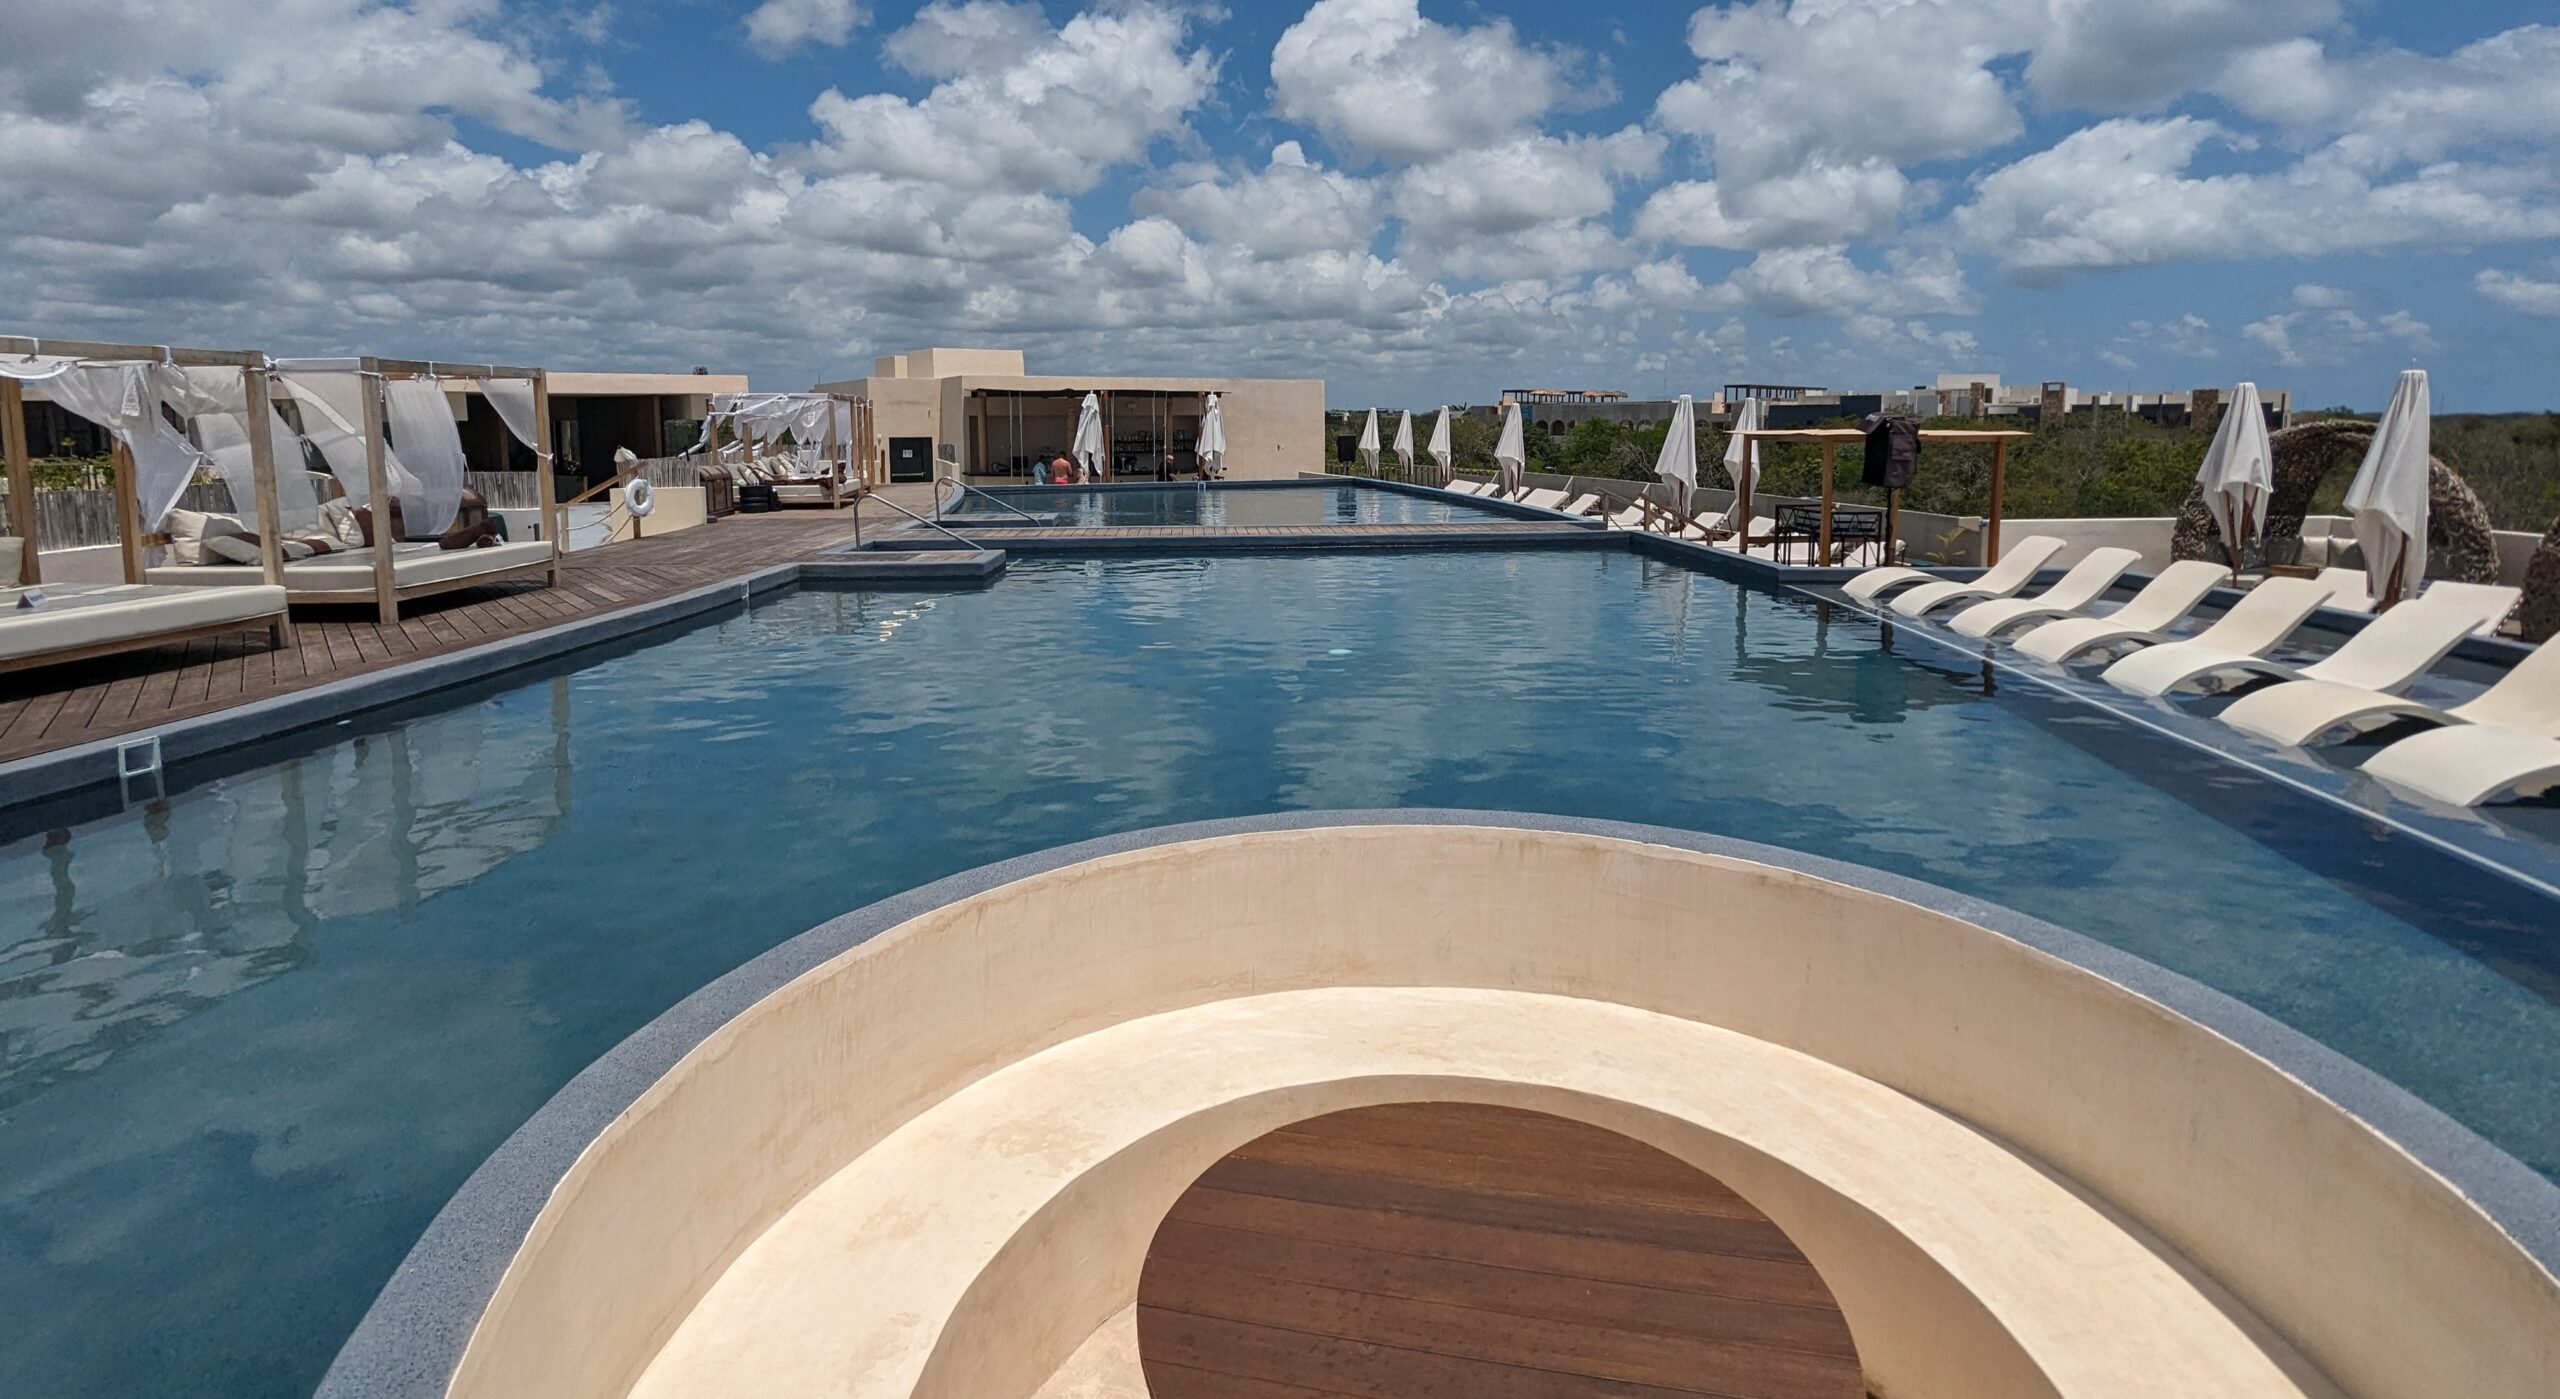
pixel 187 531
pixel 229 548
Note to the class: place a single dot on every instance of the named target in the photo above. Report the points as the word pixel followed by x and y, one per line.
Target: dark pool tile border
pixel 412 1338
pixel 93 764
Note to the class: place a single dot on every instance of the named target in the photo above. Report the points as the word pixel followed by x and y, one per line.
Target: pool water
pixel 1314 503
pixel 252 1037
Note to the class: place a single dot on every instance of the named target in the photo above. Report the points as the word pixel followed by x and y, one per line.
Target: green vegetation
pixel 2088 465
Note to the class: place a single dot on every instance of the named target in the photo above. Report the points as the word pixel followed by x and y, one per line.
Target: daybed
pixel 417 570
pixel 80 621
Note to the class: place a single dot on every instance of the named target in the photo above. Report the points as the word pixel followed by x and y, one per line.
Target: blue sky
pixel 1417 203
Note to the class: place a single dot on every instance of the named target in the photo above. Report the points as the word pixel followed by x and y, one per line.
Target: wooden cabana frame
pixel 257 388
pixel 1830 440
pixel 854 458
pixel 387 591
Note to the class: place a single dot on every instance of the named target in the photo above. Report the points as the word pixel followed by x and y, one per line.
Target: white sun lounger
pixel 2087 582
pixel 2270 613
pixel 2526 699
pixel 2469 764
pixel 2347 589
pixel 2144 620
pixel 2016 569
pixel 2392 650
pixel 1877 581
pixel 1462 486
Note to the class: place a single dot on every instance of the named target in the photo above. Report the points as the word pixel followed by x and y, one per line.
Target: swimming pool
pixel 251 1038
pixel 1239 505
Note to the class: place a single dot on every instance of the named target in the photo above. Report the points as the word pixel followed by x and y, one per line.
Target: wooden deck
pixel 58 706
pixel 1433 1251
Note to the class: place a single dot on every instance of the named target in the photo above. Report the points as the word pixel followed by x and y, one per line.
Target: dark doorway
pixel 910 458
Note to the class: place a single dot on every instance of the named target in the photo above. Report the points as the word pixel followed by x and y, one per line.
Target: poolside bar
pixel 1830 440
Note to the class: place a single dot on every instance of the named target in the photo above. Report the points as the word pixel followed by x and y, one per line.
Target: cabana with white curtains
pixel 827 458
pixel 141 395
pixel 386 430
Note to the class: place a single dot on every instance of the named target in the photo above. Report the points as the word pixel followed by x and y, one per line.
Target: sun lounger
pixel 1877 581
pixel 2347 589
pixel 2016 569
pixel 2143 621
pixel 2270 613
pixel 2392 650
pixel 1631 515
pixel 1462 486
pixel 83 620
pixel 417 570
pixel 2470 764
pixel 2087 582
pixel 2526 699
pixel 1543 498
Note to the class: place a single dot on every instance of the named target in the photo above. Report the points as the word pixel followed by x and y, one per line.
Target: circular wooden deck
pixel 1426 1250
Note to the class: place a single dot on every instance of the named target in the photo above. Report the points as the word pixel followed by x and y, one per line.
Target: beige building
pixel 978 413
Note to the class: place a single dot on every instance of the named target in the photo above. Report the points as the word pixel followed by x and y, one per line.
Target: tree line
pixel 2087 465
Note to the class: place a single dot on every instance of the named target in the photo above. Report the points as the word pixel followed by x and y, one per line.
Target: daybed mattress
pixel 352 572
pixel 78 615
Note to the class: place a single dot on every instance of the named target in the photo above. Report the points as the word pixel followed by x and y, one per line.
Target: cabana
pixel 1831 439
pixel 828 462
pixel 130 390
pixel 387 433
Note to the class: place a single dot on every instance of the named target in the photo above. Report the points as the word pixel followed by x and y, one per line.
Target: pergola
pixel 254 370
pixel 1830 440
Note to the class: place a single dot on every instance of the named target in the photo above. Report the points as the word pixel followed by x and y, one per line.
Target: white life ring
pixel 640 497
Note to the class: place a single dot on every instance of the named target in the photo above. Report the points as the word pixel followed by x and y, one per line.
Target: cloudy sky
pixel 1417 203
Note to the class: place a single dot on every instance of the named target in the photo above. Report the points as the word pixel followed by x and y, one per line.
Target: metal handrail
pixel 934 525
pixel 966 490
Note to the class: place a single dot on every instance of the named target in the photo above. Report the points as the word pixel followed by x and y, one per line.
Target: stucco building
pixel 979 414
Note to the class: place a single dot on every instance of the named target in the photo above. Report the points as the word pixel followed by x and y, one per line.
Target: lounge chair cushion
pixel 188 530
pixel 78 615
pixel 412 565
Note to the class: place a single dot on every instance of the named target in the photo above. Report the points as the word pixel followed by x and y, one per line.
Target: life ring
pixel 639 497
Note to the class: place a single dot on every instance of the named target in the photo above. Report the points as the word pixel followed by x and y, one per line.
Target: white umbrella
pixel 2239 473
pixel 1511 454
pixel 1369 444
pixel 2389 497
pixel 1088 447
pixel 1213 439
pixel 1678 464
pixel 1440 448
pixel 1748 418
pixel 1404 444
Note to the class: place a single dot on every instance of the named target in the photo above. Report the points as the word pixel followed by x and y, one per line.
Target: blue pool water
pixel 1315 503
pixel 253 1036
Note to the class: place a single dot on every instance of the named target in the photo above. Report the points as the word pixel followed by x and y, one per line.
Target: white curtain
pixel 421 423
pixel 513 398
pixel 225 434
pixel 125 399
pixel 332 403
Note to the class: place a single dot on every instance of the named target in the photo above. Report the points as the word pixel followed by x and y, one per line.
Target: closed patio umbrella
pixel 1441 451
pixel 1404 445
pixel 1369 444
pixel 1213 439
pixel 2239 473
pixel 1511 453
pixel 1678 464
pixel 1746 474
pixel 2389 497
pixel 1088 446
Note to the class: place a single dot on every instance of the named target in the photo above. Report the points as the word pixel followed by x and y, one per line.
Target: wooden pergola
pixel 386 588
pixel 1830 440
pixel 255 381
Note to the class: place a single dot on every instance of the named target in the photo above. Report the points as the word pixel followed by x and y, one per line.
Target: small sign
pixel 31 599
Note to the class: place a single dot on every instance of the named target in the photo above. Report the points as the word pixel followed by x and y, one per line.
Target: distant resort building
pixel 1557 412
pixel 981 414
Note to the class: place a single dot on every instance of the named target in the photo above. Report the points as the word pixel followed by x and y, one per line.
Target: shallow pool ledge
pixel 921 1150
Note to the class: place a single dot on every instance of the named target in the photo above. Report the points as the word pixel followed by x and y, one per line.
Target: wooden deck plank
pixel 1504 1255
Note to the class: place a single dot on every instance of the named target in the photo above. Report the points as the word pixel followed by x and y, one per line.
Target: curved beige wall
pixel 2373 1267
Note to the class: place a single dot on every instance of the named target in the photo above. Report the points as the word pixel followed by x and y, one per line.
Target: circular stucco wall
pixel 2063 1111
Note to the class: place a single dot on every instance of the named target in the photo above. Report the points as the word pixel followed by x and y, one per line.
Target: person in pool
pixel 1061 470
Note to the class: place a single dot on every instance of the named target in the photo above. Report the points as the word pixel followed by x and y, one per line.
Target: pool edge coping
pixel 412 1337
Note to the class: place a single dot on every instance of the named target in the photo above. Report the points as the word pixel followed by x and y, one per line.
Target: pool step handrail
pixel 967 490
pixel 934 525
